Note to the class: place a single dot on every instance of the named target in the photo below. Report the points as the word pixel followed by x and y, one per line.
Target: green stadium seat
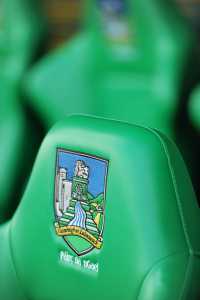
pixel 109 213
pixel 127 63
pixel 20 33
pixel 194 107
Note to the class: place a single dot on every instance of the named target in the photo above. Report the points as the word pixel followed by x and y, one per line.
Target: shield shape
pixel 80 189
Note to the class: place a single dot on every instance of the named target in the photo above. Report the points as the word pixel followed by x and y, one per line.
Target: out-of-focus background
pixel 128 60
pixel 64 18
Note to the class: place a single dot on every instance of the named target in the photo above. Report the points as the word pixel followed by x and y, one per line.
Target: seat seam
pixel 187 274
pixel 177 196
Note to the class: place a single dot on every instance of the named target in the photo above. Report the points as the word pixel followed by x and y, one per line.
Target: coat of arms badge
pixel 80 187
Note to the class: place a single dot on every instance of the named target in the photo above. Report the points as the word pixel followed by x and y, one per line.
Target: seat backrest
pixel 131 54
pixel 109 213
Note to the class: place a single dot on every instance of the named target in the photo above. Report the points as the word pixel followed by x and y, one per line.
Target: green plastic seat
pixel 20 33
pixel 21 28
pixel 109 213
pixel 128 64
pixel 194 107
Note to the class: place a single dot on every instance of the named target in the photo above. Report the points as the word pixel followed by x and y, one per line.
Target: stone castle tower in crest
pixel 80 181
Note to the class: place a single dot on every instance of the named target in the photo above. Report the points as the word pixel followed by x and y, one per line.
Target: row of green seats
pixel 20 32
pixel 128 64
pixel 127 227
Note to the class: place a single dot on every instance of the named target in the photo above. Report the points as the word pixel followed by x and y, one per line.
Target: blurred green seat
pixel 20 33
pixel 128 63
pixel 109 213
pixel 194 107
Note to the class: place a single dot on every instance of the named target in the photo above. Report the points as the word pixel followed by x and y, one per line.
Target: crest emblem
pixel 80 186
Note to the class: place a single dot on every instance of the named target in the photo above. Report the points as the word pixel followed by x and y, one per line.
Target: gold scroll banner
pixel 74 230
